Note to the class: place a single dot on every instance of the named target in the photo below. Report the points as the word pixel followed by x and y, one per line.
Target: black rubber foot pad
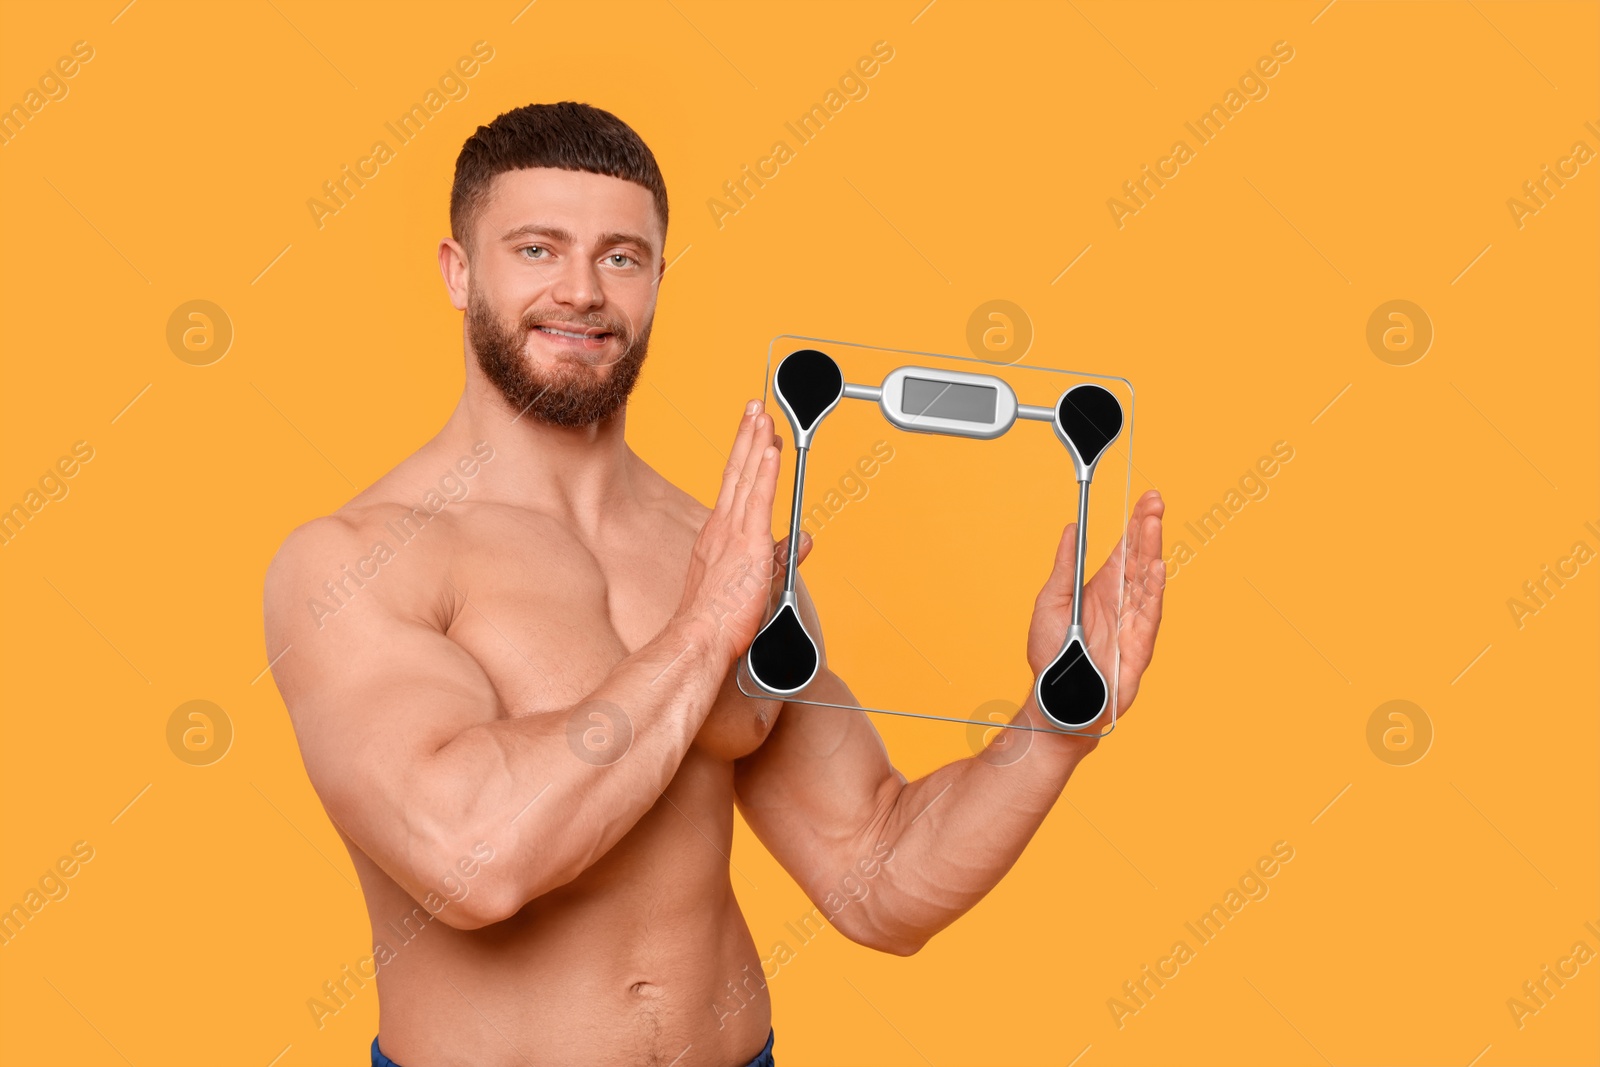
pixel 1071 691
pixel 1091 418
pixel 783 657
pixel 811 383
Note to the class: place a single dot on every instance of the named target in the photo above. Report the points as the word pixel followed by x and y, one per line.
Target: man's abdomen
pixel 644 958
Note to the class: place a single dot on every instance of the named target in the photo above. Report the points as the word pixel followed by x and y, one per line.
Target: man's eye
pixel 530 248
pixel 619 255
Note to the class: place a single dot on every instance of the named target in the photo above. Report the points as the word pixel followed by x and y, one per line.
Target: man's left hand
pixel 1141 588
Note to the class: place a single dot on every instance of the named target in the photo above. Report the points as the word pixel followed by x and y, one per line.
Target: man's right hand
pixel 727 588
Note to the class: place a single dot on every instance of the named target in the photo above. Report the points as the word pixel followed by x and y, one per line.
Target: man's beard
pixel 561 395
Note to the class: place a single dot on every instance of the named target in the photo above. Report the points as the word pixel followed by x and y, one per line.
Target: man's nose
pixel 577 285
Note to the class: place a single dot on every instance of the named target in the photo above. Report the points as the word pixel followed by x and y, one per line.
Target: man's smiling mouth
pixel 593 337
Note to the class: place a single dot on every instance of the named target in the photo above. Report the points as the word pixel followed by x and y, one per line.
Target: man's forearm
pixel 552 792
pixel 958 830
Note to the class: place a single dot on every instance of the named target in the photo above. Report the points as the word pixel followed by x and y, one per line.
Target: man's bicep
pixel 373 694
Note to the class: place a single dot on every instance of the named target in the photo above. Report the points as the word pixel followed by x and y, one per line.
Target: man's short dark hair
pixel 568 135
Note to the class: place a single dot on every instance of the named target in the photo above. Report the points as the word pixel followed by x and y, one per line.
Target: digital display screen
pixel 948 400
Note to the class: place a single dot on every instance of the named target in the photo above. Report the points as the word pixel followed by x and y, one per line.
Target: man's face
pixel 568 251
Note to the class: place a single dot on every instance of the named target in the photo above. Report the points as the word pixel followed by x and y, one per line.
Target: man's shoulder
pixel 317 542
pixel 313 562
pixel 419 490
pixel 334 557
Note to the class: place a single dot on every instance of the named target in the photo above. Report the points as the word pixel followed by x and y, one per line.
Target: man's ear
pixel 455 269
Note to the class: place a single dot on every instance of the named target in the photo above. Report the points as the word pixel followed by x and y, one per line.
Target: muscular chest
pixel 549 617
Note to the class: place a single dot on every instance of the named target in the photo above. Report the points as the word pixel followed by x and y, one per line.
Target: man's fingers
pixel 1153 580
pixel 780 552
pixel 760 437
pixel 1144 587
pixel 1058 587
pixel 736 458
pixel 1144 545
pixel 757 504
pixel 1140 546
pixel 780 564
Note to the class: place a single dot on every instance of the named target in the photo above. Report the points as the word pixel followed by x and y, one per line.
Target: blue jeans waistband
pixel 763 1058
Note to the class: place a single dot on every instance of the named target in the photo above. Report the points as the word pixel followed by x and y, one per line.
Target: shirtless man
pixel 509 672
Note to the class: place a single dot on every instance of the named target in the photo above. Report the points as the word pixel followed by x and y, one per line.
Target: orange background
pixel 978 167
